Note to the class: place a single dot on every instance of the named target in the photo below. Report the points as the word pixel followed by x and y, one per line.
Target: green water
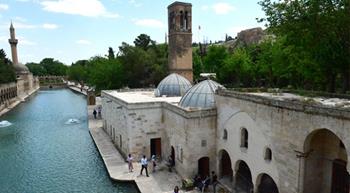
pixel 41 153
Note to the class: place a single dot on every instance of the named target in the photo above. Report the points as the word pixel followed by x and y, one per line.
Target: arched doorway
pixel 243 177
pixel 173 155
pixel 203 166
pixel 266 184
pixel 225 165
pixel 325 163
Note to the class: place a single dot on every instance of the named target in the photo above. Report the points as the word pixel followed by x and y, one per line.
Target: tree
pixel 320 28
pixel 7 73
pixel 54 67
pixel 214 59
pixel 143 41
pixel 105 73
pixel 111 53
pixel 36 69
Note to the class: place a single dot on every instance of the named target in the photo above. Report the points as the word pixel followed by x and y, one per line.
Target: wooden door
pixel 340 177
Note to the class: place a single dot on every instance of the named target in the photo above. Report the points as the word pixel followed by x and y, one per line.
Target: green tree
pixel 214 59
pixel 54 67
pixel 143 41
pixel 320 28
pixel 7 73
pixel 105 73
pixel 36 69
pixel 111 54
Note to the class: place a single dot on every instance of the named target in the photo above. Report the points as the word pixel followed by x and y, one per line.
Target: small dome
pixel 173 85
pixel 201 95
pixel 20 68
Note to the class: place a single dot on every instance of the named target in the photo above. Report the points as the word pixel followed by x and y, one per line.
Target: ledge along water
pixel 43 151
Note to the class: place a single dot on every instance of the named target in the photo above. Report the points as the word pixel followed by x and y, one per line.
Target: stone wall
pixel 282 126
pixel 192 134
pixel 8 94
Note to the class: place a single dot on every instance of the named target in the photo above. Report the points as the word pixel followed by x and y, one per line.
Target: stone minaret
pixel 180 39
pixel 13 42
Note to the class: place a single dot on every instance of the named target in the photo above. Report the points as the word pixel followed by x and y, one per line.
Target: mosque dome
pixel 201 95
pixel 173 85
pixel 20 68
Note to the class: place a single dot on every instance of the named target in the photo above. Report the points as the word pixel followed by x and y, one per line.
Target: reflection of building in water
pixel 25 83
pixel 255 141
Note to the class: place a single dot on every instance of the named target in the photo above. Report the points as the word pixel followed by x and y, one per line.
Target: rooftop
pixel 141 96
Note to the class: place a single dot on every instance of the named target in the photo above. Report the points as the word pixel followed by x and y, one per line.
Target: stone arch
pixel 225 165
pixel 266 184
pixel 325 161
pixel 243 177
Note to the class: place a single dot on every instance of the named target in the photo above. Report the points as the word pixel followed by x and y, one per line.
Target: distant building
pixel 25 83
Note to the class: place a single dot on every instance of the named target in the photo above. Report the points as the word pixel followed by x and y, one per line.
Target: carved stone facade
pixel 180 39
pixel 254 143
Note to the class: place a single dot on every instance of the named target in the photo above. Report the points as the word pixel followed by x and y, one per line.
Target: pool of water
pixel 43 150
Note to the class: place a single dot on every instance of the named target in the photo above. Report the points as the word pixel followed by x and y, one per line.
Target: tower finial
pixel 11 26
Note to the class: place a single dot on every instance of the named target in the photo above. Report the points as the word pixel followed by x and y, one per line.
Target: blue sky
pixel 69 30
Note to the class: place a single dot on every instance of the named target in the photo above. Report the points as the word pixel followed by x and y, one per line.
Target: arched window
pixel 244 138
pixel 225 134
pixel 268 154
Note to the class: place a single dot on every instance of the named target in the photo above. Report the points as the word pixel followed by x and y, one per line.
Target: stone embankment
pixel 12 103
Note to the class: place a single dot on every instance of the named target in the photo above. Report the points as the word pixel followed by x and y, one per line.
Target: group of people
pixel 144 163
pixel 203 183
pixel 97 112
pixel 199 182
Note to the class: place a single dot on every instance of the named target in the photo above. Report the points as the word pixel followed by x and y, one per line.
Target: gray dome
pixel 173 85
pixel 20 68
pixel 201 95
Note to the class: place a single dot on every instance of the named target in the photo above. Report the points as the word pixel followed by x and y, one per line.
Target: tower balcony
pixel 13 41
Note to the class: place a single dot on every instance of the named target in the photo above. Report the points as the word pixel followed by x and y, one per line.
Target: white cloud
pixel 49 26
pixel 83 42
pixel 223 8
pixel 4 39
pixel 22 25
pixel 88 8
pixel 3 7
pixel 149 23
pixel 21 19
pixel 134 3
pixel 205 7
pixel 24 41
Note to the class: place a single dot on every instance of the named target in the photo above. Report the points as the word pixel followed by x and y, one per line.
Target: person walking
pixel 144 164
pixel 214 181
pixel 99 109
pixel 94 113
pixel 154 164
pixel 129 160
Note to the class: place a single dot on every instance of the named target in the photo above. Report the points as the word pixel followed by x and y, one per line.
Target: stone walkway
pixel 161 181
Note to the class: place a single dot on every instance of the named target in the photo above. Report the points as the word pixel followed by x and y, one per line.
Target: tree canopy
pixel 7 73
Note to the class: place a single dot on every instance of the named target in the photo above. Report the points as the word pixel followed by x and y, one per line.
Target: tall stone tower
pixel 19 68
pixel 13 42
pixel 180 39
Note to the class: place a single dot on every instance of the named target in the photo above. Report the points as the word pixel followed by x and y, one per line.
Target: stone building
pixel 180 39
pixel 25 83
pixel 259 142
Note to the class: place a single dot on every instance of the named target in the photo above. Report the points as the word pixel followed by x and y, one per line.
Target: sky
pixel 71 30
